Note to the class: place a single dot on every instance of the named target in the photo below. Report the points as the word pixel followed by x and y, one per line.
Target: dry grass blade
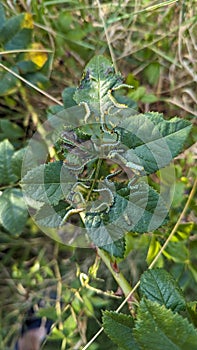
pixel 20 51
pixel 32 85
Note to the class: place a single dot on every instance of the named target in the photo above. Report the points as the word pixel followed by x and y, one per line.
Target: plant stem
pixel 118 276
pixel 59 286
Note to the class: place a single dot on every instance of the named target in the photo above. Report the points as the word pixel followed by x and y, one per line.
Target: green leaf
pixel 159 328
pixel 64 21
pixel 131 80
pixel 146 140
pixel 183 232
pixel 51 216
pixel 99 77
pixel 149 98
pixel 152 72
pixel 38 79
pixel 67 97
pixel 78 157
pixel 6 153
pixel 177 251
pixel 8 82
pixel 153 250
pixel 192 309
pixel 125 100
pixel 49 312
pixel 119 327
pixel 70 324
pixel 20 40
pixel 138 94
pixel 2 16
pixel 16 162
pixel 108 237
pixel 25 67
pixel 178 194
pixel 13 211
pixel 159 286
pixel 53 110
pixel 10 130
pixel 48 183
pixel 152 141
pixel 143 143
pixel 36 151
pixel 139 209
pixel 136 209
pixel 10 28
pixel 116 249
pixel 16 33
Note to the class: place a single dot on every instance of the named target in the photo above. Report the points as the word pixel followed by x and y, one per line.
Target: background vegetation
pixel 154 46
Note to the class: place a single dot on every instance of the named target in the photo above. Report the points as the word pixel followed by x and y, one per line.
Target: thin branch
pixel 24 50
pixel 178 104
pixel 31 85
